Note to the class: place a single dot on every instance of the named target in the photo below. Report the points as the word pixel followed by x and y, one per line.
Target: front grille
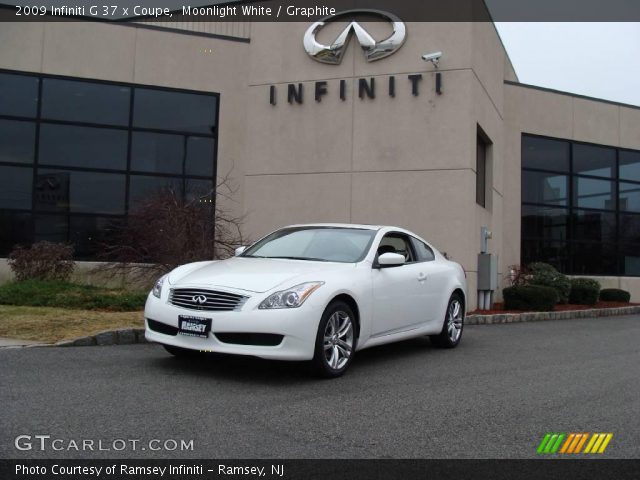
pixel 162 327
pixel 206 300
pixel 259 339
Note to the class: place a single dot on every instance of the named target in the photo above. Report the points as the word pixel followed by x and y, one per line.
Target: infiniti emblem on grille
pixel 200 299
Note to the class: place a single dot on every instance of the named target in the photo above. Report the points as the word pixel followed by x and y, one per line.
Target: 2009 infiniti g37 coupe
pixel 311 292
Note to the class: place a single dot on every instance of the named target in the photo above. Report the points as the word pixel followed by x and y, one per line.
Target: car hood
pixel 251 274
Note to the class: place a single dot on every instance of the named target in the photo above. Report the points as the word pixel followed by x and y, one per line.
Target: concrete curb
pixel 126 336
pixel 541 316
pixel 130 336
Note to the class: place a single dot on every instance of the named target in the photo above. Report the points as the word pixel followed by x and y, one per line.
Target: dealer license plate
pixel 194 326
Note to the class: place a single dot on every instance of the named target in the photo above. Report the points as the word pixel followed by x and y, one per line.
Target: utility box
pixel 487 271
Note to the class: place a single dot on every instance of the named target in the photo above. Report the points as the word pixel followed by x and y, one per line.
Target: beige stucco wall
pixel 560 115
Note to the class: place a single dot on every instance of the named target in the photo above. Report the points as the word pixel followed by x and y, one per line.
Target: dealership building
pixel 95 115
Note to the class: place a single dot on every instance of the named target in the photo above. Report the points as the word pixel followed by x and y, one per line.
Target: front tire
pixel 453 324
pixel 335 341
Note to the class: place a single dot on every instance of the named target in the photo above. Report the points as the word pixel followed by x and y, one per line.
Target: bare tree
pixel 168 229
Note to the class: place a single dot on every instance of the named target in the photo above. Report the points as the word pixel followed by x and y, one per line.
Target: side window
pixel 423 251
pixel 397 243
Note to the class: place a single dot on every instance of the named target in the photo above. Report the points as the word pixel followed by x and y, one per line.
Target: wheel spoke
pixel 345 346
pixel 456 309
pixel 335 358
pixel 345 329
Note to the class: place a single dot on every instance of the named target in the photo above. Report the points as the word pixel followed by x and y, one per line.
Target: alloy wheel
pixel 454 320
pixel 338 340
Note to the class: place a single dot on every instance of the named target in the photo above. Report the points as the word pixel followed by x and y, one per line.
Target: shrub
pixel 584 291
pixel 530 297
pixel 42 261
pixel 614 295
pixel 545 275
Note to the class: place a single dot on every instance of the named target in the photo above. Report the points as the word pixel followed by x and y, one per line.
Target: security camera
pixel 432 57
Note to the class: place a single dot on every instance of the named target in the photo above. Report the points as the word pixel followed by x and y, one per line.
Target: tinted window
pixel 18 95
pixel 81 101
pixel 629 165
pixel 545 154
pixel 544 222
pixel 595 226
pixel 593 160
pixel 540 187
pixel 630 259
pixel 185 112
pixel 15 229
pixel 156 152
pixel 143 187
pixel 423 252
pixel 73 191
pixel 17 141
pixel 594 193
pixel 593 258
pixel 200 152
pixel 75 146
pixel 630 229
pixel 15 187
pixel 555 253
pixel 629 197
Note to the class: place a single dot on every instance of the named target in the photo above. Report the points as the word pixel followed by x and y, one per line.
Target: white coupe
pixel 311 292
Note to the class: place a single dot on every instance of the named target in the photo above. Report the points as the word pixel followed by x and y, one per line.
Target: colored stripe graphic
pixel 572 443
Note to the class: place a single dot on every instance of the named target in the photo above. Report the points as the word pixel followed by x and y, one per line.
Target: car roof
pixel 339 225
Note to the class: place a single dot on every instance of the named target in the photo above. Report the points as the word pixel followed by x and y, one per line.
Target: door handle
pixel 421 277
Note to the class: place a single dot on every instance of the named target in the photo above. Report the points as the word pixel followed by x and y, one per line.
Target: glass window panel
pixel 629 165
pixel 15 229
pixel 88 234
pixel 198 190
pixel 594 160
pixel 629 197
pixel 554 253
pixel 540 187
pixel 545 154
pixel 81 101
pixel 594 259
pixel 200 153
pixel 51 228
pixel 18 95
pixel 74 146
pixel 630 259
pixel 594 226
pixel 594 193
pixel 142 187
pixel 185 112
pixel 424 253
pixel 630 228
pixel 544 222
pixel 156 152
pixel 15 187
pixel 17 141
pixel 84 192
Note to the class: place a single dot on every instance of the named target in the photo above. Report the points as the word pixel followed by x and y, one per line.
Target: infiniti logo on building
pixel 199 299
pixel 373 50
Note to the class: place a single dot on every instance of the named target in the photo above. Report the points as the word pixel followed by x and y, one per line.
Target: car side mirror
pixel 390 260
pixel 239 250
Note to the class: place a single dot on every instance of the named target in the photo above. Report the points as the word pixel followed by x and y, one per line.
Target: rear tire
pixel 453 325
pixel 335 341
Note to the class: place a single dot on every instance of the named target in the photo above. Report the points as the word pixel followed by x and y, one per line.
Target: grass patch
pixel 49 325
pixel 50 293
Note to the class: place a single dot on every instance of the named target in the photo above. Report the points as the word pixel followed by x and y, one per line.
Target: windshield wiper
pixel 311 259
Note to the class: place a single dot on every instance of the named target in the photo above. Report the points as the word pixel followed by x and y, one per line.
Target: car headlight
pixel 292 297
pixel 157 288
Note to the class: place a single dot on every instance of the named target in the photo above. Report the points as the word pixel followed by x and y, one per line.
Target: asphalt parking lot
pixel 493 397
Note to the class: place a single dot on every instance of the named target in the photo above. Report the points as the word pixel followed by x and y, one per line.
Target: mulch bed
pixel 498 308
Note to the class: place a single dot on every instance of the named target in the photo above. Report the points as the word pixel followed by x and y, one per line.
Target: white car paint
pixel 393 303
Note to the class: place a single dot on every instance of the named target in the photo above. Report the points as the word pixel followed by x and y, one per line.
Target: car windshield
pixel 324 244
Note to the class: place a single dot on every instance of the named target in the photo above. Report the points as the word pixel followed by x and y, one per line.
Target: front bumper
pixel 298 326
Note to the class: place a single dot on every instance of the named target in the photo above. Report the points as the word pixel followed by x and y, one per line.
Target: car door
pixel 398 291
pixel 434 285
